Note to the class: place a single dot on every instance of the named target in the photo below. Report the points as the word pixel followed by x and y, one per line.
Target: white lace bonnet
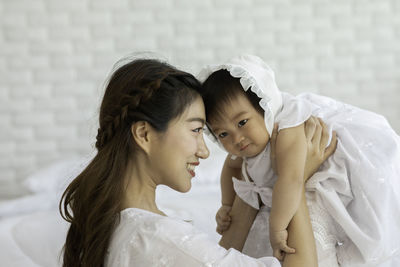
pixel 255 74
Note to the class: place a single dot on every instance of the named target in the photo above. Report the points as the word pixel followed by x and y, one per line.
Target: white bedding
pixel 32 232
pixel 10 252
pixel 35 239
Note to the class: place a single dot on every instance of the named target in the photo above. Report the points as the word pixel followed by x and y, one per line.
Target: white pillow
pixel 55 177
pixel 41 237
pixel 44 188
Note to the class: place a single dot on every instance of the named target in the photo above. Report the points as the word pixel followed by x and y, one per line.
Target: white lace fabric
pixel 143 238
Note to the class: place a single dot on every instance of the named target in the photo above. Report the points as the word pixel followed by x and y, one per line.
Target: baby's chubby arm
pixel 235 217
pixel 231 168
pixel 291 152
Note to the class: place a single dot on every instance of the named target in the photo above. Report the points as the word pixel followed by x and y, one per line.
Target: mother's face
pixel 176 152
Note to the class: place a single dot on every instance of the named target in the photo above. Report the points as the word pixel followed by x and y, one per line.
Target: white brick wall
pixel 55 56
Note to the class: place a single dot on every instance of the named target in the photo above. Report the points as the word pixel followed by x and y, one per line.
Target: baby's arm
pixel 235 217
pixel 243 216
pixel 291 152
pixel 231 168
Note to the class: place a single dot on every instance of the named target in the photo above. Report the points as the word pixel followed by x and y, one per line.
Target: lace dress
pixel 143 238
pixel 353 199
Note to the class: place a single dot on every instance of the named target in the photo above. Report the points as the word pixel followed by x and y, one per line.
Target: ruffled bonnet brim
pixel 255 74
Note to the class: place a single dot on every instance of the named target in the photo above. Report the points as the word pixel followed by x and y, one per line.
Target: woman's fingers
pixel 324 135
pixel 332 146
pixel 316 139
pixel 273 139
pixel 273 146
pixel 310 128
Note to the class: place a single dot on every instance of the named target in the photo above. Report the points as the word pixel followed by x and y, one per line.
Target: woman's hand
pixel 273 147
pixel 317 137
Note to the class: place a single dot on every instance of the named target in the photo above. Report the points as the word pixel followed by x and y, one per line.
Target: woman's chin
pixel 187 188
pixel 184 188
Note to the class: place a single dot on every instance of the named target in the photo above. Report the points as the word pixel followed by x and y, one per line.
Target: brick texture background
pixel 55 56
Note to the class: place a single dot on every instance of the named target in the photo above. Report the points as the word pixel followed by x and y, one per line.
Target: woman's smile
pixel 190 167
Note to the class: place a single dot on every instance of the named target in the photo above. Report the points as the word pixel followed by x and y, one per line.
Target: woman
pixel 151 133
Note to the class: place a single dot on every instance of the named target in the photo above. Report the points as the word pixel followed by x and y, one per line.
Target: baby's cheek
pixel 227 147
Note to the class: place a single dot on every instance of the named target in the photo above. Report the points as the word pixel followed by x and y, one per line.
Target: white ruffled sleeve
pixel 294 112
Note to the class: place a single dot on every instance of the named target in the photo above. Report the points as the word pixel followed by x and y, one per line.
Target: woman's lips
pixel 190 168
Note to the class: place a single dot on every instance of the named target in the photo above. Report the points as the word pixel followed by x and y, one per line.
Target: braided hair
pixel 141 90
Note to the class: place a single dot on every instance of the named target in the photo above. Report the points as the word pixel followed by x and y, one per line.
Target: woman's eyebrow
pixel 203 121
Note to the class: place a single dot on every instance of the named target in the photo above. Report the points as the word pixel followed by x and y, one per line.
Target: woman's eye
pixel 242 122
pixel 198 130
pixel 222 135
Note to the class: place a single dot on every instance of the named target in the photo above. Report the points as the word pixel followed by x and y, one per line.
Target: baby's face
pixel 240 128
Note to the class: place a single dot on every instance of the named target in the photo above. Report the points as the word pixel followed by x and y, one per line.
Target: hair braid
pixel 127 111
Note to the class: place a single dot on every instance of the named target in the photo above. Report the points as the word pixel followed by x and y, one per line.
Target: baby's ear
pixel 141 131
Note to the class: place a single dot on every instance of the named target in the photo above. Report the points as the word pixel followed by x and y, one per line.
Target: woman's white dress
pixel 354 198
pixel 143 238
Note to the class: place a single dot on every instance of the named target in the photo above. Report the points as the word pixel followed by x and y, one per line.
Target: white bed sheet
pixel 36 238
pixel 10 252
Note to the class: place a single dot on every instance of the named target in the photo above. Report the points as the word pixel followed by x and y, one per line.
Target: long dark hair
pixel 141 90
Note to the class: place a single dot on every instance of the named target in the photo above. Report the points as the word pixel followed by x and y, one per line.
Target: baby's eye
pixel 242 122
pixel 222 135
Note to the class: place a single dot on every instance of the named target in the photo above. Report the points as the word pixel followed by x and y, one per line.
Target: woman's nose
pixel 202 151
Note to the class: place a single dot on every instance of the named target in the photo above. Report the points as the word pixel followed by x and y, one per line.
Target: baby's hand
pixel 223 219
pixel 279 245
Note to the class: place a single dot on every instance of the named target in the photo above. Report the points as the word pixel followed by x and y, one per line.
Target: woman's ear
pixel 140 131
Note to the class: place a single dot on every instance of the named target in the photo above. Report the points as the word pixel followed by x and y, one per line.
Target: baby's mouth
pixel 244 147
